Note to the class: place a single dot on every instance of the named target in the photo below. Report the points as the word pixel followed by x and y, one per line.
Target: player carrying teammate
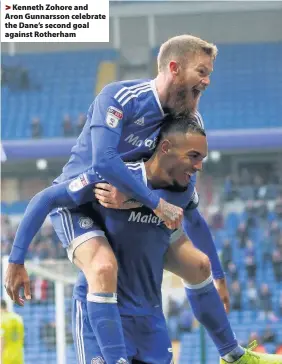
pixel 170 167
pixel 122 125
pixel 12 336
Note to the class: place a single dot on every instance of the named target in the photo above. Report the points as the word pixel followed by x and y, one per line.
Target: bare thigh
pixel 97 260
pixel 187 262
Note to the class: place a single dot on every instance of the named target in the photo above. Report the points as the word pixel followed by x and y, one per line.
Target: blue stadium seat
pixel 65 83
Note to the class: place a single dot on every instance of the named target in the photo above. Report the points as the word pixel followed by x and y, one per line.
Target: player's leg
pixel 130 333
pixel 86 346
pixel 152 340
pixel 88 248
pixel 182 259
pixel 193 266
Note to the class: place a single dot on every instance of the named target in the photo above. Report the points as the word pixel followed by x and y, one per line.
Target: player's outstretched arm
pixel 106 128
pixel 35 214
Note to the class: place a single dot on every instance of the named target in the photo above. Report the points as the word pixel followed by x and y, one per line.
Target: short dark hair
pixel 3 304
pixel 179 124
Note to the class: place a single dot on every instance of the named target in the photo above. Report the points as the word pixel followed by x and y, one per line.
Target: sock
pixel 234 355
pixel 209 311
pixel 106 324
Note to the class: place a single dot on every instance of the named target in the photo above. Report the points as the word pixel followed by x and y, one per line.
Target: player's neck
pixel 154 173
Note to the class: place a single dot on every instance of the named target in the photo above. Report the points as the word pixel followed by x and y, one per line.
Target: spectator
pixel 229 189
pixel 226 254
pixel 39 289
pixel 173 318
pixel 80 123
pixel 48 334
pixel 36 128
pixel 277 264
pixel 280 305
pixel 236 296
pixel 259 190
pixel 217 221
pixel 232 271
pixel 278 207
pixel 268 336
pixel 242 234
pixel 251 267
pixel 250 251
pixel 252 295
pixel 185 319
pixel 67 126
pixel 24 81
pixel 267 248
pixel 265 297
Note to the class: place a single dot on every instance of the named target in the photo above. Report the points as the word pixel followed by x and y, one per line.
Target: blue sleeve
pixel 198 231
pixel 106 127
pixel 37 210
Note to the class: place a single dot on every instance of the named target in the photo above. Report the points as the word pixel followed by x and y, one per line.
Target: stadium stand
pixel 59 83
pixel 238 99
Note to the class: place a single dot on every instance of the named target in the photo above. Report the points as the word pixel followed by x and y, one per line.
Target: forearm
pixel 107 162
pixel 198 231
pixel 37 210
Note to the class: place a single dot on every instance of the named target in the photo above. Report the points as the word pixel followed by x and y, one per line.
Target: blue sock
pixel 209 311
pixel 106 324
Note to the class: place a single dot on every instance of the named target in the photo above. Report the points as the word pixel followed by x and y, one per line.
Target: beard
pixel 176 187
pixel 181 100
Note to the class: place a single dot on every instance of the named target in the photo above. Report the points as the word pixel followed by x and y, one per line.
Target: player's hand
pixel 110 197
pixel 170 214
pixel 16 278
pixel 221 286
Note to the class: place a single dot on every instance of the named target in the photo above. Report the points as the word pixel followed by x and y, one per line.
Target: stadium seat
pixel 63 82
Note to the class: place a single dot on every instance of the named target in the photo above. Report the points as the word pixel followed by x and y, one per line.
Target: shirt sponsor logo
pixel 136 141
pixel 113 117
pixel 144 219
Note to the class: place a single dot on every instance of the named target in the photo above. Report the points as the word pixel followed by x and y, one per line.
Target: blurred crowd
pixel 253 186
pixel 44 246
pixel 70 128
pixel 15 77
pixel 180 320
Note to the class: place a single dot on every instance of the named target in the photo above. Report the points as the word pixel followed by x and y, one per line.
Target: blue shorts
pixel 146 338
pixel 73 228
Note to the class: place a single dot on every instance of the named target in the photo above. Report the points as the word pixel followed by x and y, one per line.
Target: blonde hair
pixel 177 48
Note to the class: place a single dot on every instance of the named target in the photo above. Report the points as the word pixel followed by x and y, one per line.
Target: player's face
pixel 188 83
pixel 183 158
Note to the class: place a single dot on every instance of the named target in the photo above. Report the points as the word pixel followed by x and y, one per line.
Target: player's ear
pixel 174 68
pixel 165 146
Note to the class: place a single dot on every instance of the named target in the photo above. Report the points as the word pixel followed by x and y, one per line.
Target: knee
pixel 204 266
pixel 105 269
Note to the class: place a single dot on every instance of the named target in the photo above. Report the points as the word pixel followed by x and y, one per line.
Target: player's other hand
pixel 221 286
pixel 170 214
pixel 16 278
pixel 110 197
